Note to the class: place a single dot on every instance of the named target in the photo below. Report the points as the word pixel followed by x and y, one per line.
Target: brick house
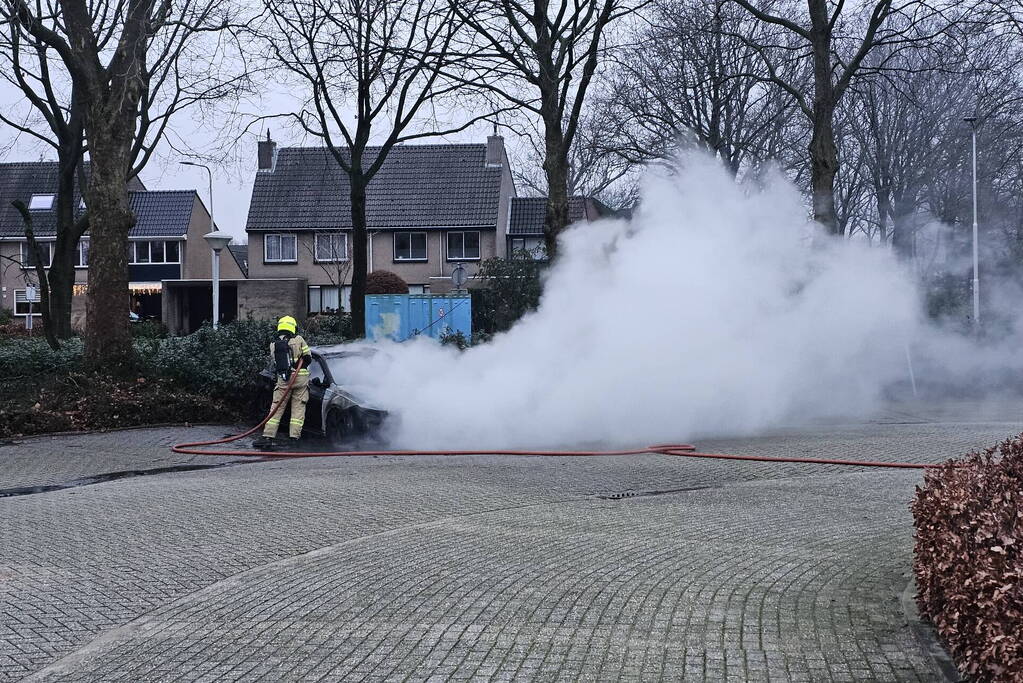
pixel 428 208
pixel 165 243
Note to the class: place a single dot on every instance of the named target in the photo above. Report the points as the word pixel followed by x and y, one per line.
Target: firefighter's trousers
pixel 299 398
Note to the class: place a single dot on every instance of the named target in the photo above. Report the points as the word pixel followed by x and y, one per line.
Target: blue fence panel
pixel 400 317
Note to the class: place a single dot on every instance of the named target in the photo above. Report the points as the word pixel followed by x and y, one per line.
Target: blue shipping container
pixel 400 317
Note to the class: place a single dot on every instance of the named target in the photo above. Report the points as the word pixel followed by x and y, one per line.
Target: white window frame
pixel 41 202
pixel 463 233
pixel 81 253
pixel 20 293
pixel 411 259
pixel 537 253
pixel 334 239
pixel 42 243
pixel 342 294
pixel 134 255
pixel 280 237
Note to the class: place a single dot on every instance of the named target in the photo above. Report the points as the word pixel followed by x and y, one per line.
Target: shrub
pixel 385 282
pixel 456 339
pixel 21 357
pixel 969 559
pixel 6 316
pixel 223 363
pixel 511 289
pixel 331 325
pixel 149 329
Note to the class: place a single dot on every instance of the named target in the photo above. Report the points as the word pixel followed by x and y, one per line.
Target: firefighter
pixel 286 350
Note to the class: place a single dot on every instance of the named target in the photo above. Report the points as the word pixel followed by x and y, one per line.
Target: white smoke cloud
pixel 716 309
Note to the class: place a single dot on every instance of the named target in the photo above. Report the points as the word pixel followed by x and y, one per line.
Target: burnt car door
pixel 318 383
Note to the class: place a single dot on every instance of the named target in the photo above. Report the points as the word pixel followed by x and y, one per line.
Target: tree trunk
pixel 40 270
pixel 903 229
pixel 107 337
pixel 884 211
pixel 359 251
pixel 555 166
pixel 62 269
pixel 823 151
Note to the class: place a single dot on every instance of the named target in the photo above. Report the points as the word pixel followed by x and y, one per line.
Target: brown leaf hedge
pixel 968 559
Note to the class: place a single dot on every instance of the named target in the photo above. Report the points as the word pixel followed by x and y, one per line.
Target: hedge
pixel 24 357
pixel 968 559
pixel 221 363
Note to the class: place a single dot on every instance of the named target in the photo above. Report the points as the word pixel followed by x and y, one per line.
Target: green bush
pixel 223 363
pixel 6 316
pixel 456 339
pixel 512 289
pixel 21 357
pixel 330 325
pixel 149 329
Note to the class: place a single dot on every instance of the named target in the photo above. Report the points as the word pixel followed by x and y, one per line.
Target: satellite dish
pixel 458 276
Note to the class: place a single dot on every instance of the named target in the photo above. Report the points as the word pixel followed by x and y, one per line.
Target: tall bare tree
pixel 823 34
pixel 372 70
pixel 54 117
pixel 132 66
pixel 543 57
pixel 690 78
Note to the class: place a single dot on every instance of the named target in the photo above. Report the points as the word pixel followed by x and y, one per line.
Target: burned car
pixel 335 410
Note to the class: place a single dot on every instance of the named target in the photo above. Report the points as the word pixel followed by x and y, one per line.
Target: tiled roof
pixel 240 252
pixel 528 215
pixel 420 186
pixel 21 180
pixel 161 213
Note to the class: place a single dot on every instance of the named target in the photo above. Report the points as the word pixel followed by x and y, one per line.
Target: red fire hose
pixel 682 450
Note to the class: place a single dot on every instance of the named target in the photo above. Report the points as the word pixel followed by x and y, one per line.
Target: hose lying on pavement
pixel 681 450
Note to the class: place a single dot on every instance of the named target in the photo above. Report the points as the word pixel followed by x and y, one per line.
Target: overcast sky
pixel 232 180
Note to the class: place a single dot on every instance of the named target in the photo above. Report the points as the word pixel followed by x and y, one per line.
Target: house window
pixel 410 246
pixel 280 248
pixel 329 299
pixel 21 302
pixel 40 202
pixel 153 251
pixel 463 246
pixel 331 247
pixel 28 257
pixel 528 248
pixel 82 253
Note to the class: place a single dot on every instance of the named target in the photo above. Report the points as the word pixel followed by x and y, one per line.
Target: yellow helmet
pixel 287 324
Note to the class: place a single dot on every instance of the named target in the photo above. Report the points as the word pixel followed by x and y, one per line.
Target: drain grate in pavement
pixel 624 495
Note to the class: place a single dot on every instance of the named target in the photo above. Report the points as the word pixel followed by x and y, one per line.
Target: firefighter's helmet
pixel 287 324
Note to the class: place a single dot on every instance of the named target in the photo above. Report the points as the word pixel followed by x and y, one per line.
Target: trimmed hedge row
pixel 969 559
pixel 222 363
pixel 25 357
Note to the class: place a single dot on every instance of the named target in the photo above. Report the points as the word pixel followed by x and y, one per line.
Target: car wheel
pixel 341 427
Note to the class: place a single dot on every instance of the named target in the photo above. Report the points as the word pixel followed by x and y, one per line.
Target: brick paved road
pixel 471 568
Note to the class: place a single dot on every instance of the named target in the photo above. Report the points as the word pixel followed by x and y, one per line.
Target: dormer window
pixel 41 202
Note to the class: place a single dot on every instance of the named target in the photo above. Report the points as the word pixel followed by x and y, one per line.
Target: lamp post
pixel 217 241
pixel 972 120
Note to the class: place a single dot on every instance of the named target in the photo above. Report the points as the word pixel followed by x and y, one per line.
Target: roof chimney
pixel 267 154
pixel 495 150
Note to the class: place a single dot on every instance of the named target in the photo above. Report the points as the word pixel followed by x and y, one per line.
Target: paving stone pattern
pixel 475 568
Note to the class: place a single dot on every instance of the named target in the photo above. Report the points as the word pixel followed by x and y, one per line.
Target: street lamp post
pixel 972 120
pixel 217 241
